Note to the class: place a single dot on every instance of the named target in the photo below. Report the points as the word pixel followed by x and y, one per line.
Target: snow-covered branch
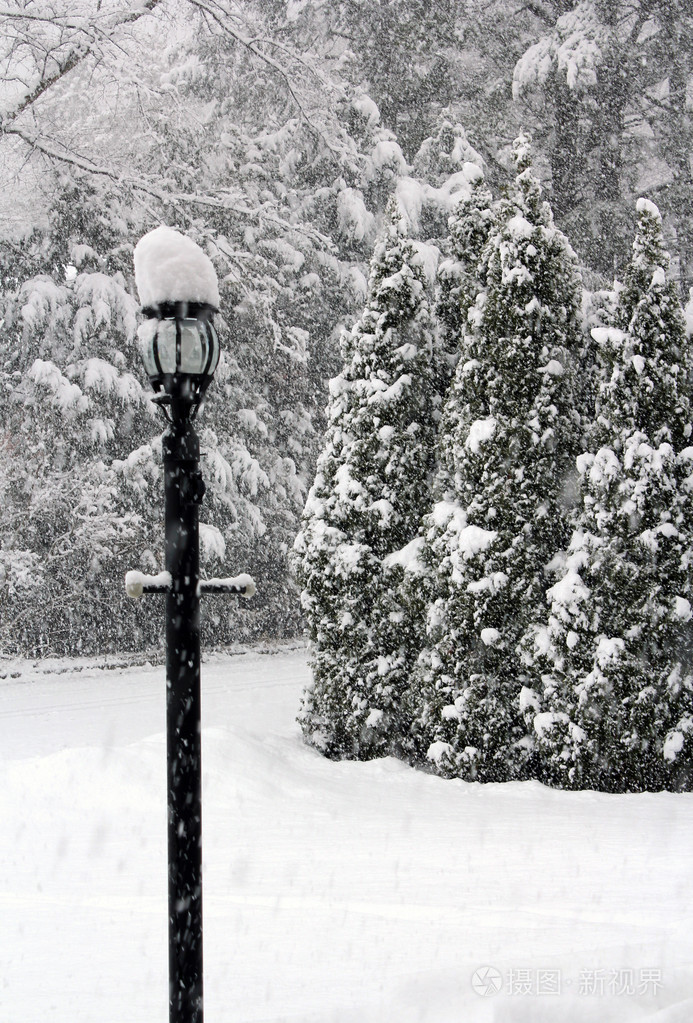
pixel 220 200
pixel 54 57
pixel 219 15
pixel 545 12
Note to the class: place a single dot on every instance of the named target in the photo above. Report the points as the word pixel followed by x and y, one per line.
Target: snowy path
pixel 334 893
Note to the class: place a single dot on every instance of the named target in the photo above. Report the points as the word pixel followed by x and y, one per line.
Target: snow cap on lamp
pixel 170 268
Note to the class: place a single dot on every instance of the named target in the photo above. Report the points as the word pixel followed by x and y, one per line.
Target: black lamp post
pixel 180 351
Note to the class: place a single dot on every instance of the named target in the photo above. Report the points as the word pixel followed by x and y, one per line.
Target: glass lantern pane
pixel 214 343
pixel 193 347
pixel 166 345
pixel 146 333
pixel 169 347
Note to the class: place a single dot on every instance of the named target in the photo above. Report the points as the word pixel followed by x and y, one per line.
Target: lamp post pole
pixel 180 351
pixel 183 491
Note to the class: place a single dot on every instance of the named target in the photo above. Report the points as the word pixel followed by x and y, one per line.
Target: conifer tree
pixel 366 502
pixel 501 517
pixel 616 710
pixel 460 278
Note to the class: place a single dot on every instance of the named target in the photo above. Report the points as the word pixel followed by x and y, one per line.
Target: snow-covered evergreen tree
pixel 649 389
pixel 616 707
pixel 460 279
pixel 74 401
pixel 366 503
pixel 445 152
pixel 511 431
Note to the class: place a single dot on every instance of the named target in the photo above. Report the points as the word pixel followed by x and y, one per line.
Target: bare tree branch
pixel 40 62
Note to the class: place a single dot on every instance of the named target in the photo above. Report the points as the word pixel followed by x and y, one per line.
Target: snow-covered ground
pixel 334 892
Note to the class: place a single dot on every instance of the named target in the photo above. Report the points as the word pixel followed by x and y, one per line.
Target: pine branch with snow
pixel 459 276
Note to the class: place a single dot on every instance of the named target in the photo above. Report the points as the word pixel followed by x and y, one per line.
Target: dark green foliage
pixel 459 280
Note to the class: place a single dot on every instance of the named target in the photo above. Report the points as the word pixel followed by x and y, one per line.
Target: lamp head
pixel 180 350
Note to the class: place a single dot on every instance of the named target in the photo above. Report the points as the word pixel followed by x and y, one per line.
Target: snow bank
pixel 344 891
pixel 172 268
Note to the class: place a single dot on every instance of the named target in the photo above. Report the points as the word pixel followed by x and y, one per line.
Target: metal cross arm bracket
pixel 137 584
pixel 243 584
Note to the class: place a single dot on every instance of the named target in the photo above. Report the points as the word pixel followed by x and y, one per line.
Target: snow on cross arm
pixel 169 267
